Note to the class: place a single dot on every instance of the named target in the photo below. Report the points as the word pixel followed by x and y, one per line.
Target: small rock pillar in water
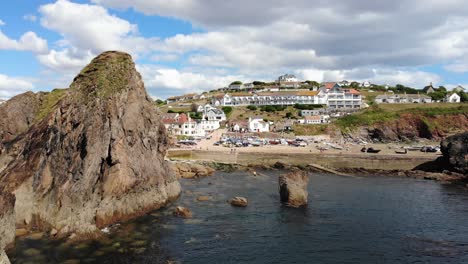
pixel 293 188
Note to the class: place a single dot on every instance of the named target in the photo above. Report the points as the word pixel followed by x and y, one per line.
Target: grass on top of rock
pixel 107 74
pixel 49 102
pixel 384 113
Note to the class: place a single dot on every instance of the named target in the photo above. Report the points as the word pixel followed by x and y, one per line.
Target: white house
pixel 316 119
pixel 287 78
pixel 366 84
pixel 182 125
pixel 402 98
pixel 312 112
pixel 257 124
pixel 452 98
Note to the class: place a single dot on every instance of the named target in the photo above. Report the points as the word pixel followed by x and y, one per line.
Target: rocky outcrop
pixel 455 152
pixel 239 202
pixel 183 212
pixel 293 188
pixel 189 170
pixel 411 127
pixel 18 114
pixel 7 224
pixel 93 155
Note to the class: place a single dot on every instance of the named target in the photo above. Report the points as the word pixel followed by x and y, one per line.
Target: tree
pixel 442 89
pixel 160 102
pixel 313 83
pixel 289 115
pixel 463 96
pixel 227 110
pixel 252 107
pixel 257 83
pixel 194 107
pixel 236 83
pixel 438 95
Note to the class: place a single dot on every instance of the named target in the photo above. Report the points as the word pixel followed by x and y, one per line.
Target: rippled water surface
pixel 348 220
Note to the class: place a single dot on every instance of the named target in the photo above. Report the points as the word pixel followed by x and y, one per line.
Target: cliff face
pixel 455 151
pixel 414 126
pixel 94 155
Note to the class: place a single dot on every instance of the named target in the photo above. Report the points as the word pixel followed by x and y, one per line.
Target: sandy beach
pixel 348 149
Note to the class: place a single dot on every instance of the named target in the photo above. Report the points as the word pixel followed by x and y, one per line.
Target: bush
pixel 308 106
pixel 272 108
pixel 252 107
pixel 227 110
pixel 289 115
pixel 195 115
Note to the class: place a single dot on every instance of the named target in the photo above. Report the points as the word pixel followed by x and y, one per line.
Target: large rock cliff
pixel 88 156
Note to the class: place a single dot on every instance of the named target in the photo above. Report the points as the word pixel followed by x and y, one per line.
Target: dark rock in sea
pixel 239 202
pixel 183 212
pixel 83 158
pixel 293 188
pixel 455 152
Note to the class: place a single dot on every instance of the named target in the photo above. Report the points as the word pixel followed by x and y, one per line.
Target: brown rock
pixel 94 154
pixel 238 201
pixel 53 232
pixel 293 188
pixel 7 223
pixel 21 232
pixel 455 152
pixel 188 170
pixel 183 212
pixel 203 198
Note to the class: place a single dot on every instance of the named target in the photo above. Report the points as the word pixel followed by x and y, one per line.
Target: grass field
pixel 388 112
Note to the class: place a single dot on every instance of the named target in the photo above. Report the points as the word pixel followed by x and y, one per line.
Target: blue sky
pixel 183 46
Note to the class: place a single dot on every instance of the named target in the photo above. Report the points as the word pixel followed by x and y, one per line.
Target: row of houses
pixel 332 95
pixel 413 98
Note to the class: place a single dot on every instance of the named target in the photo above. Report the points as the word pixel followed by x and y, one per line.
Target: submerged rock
pixel 238 201
pixel 90 155
pixel 293 188
pixel 455 151
pixel 203 198
pixel 183 212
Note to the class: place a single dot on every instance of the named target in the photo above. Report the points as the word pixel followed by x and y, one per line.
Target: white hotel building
pixel 334 98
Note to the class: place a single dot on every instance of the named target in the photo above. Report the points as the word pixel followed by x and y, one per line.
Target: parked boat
pixel 429 149
pixel 413 148
pixel 372 150
pixel 364 149
pixel 405 151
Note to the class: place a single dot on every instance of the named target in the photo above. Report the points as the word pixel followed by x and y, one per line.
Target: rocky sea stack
pixel 88 156
pixel 293 188
pixel 455 151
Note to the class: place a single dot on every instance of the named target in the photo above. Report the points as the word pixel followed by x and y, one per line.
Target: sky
pixel 183 46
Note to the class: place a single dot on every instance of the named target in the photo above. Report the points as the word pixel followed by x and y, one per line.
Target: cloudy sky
pixel 195 45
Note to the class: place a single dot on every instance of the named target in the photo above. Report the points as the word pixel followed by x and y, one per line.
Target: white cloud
pixel 380 41
pixel 30 17
pixel 2 23
pixel 29 41
pixel 416 79
pixel 88 30
pixel 85 26
pixel 11 86
pixel 66 60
